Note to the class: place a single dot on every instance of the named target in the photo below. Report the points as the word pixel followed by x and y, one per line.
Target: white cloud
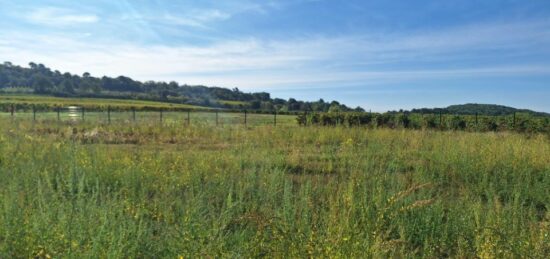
pixel 197 18
pixel 52 16
pixel 250 63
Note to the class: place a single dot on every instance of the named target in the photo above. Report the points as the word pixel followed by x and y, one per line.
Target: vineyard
pixel 46 107
pixel 517 122
pixel 27 103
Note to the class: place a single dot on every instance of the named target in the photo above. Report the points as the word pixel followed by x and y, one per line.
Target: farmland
pixel 147 189
pixel 44 102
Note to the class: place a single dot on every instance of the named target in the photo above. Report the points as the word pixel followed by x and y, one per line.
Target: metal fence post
pixel 109 114
pixel 217 118
pixel 245 117
pixel 275 119
pixel 188 118
pixel 12 110
pixel 477 122
pixel 161 116
pixel 134 114
pixel 58 116
pixel 83 112
pixel 33 113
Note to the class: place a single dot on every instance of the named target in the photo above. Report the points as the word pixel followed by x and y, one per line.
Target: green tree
pixel 67 86
pixel 334 108
pixel 42 84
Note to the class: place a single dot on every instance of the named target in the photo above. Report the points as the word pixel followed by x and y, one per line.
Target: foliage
pixel 480 109
pixel 520 123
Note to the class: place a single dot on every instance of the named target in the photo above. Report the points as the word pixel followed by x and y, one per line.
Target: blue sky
pixel 381 55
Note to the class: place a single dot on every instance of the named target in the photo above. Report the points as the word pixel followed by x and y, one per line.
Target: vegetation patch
pixel 170 190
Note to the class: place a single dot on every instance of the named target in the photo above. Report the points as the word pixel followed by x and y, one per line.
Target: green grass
pixel 233 103
pixel 168 118
pixel 92 190
pixel 93 103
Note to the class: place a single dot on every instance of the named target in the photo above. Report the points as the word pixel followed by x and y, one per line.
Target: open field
pixel 145 190
pixel 91 103
pixel 168 118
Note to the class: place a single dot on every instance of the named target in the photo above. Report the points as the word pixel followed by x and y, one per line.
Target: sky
pixel 380 54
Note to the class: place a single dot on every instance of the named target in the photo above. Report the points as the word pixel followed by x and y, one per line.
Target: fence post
pixel 33 113
pixel 58 116
pixel 161 116
pixel 440 119
pixel 134 114
pixel 477 122
pixel 83 112
pixel 216 117
pixel 12 110
pixel 188 118
pixel 245 117
pixel 514 125
pixel 109 114
pixel 275 119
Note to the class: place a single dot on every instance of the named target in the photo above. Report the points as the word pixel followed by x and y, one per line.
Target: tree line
pixel 39 79
pixel 474 108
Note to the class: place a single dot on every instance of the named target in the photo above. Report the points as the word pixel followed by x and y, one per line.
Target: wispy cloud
pixel 255 63
pixel 204 17
pixel 197 18
pixel 53 16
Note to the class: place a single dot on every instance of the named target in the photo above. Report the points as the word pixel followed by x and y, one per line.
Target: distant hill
pixel 481 109
pixel 40 80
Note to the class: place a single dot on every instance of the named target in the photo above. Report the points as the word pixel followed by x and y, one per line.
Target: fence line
pixel 406 120
pixel 114 114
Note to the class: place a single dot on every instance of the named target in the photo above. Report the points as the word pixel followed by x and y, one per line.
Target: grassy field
pixel 91 103
pixel 137 190
pixel 168 118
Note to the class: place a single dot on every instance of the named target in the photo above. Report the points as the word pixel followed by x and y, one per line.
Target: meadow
pixel 146 189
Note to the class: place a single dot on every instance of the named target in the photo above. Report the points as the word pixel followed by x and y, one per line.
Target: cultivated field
pixel 148 189
pixel 47 102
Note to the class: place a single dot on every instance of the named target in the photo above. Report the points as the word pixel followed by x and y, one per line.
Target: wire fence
pixel 161 116
pixel 108 115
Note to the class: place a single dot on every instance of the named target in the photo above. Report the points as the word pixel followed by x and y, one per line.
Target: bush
pixel 412 121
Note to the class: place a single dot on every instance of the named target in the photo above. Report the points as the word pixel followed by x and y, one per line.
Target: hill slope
pixel 41 80
pixel 481 109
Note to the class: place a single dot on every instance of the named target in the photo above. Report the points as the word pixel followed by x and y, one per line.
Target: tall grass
pixel 142 190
